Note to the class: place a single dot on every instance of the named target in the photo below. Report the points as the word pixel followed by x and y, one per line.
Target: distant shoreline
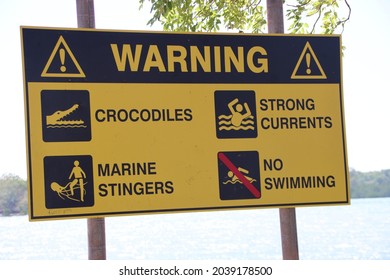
pixel 14 201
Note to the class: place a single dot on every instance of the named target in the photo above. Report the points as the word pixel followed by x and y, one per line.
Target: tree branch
pixel 318 18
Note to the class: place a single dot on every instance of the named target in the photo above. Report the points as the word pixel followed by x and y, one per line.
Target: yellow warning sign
pixel 62 62
pixel 308 65
pixel 156 122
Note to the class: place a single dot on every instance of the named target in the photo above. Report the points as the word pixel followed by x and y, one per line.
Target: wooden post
pixel 96 226
pixel 288 223
pixel 288 232
pixel 85 14
pixel 96 239
pixel 275 16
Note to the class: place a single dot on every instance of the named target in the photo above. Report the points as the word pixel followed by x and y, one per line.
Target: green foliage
pixel 13 195
pixel 303 16
pixel 200 15
pixel 370 184
pixel 321 15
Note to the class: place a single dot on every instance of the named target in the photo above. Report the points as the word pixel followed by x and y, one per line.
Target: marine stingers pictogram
pixel 68 181
pixel 68 191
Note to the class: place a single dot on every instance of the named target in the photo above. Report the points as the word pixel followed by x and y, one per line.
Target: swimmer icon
pixel 68 181
pixel 239 175
pixel 235 114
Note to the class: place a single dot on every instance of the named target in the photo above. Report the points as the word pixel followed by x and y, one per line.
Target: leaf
pixel 248 15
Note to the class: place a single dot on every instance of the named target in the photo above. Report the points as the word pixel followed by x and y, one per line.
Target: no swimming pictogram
pixel 239 175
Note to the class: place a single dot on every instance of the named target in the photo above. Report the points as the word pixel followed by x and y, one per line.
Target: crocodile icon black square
pixel 65 115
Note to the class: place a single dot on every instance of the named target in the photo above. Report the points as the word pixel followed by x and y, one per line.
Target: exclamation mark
pixel 308 59
pixel 62 58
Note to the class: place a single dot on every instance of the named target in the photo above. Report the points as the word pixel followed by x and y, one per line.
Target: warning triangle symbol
pixel 308 65
pixel 62 62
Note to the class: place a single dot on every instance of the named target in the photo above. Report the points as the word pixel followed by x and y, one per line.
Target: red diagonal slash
pixel 240 176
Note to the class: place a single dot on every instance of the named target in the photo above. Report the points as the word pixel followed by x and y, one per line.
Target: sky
pixel 365 72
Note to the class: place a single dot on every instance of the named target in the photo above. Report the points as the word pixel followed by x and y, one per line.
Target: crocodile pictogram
pixel 56 120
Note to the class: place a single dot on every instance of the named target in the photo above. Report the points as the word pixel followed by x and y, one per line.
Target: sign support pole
pixel 288 223
pixel 96 226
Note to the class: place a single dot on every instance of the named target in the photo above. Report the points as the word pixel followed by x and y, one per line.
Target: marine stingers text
pixel 132 187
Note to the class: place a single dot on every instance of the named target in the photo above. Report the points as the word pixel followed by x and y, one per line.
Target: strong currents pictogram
pixel 241 117
pixel 235 114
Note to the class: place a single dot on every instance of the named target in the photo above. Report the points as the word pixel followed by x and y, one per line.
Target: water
pixel 360 231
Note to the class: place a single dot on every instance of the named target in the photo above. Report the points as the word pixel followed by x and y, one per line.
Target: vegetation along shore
pixel 13 189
